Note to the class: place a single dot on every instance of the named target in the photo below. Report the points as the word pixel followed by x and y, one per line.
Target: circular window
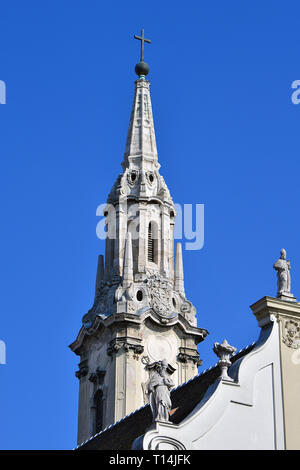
pixel 139 295
pixel 151 178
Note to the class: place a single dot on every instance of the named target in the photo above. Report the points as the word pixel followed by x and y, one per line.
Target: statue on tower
pixel 283 266
pixel 159 387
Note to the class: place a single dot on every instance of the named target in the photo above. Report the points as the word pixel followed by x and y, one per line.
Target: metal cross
pixel 143 40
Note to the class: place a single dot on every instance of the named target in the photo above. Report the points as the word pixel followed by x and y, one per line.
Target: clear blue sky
pixel 228 137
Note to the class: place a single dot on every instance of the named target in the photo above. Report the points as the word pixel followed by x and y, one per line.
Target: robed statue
pixel 159 386
pixel 283 267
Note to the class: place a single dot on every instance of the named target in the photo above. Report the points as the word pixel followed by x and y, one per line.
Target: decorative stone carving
pixel 113 348
pixel 224 351
pixel 116 344
pixel 145 360
pixel 160 295
pixel 132 178
pixel 158 389
pixel 150 177
pixel 283 266
pixel 188 355
pixel 83 369
pixel 291 334
pixel 188 310
pixel 123 294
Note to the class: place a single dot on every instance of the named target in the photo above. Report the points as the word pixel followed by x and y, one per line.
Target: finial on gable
pixel 224 351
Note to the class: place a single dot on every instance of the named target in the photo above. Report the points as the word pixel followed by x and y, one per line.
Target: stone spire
pixel 141 143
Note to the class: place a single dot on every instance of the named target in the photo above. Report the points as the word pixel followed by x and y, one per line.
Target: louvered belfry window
pixel 150 243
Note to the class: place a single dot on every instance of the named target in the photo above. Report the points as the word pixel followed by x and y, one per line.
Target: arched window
pixel 98 403
pixel 151 247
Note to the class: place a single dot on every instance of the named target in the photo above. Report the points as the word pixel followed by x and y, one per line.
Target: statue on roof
pixel 283 266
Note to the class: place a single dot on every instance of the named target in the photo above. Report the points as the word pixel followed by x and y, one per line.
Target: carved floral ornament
pixel 291 333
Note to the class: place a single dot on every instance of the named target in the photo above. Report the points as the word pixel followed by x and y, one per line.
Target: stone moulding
pixel 199 333
pixel 269 308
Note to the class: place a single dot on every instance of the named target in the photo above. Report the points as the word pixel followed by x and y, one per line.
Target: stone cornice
pixel 269 308
pixel 198 333
pixel 169 204
pixel 180 321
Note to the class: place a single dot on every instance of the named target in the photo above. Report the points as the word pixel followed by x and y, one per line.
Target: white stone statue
pixel 159 386
pixel 282 266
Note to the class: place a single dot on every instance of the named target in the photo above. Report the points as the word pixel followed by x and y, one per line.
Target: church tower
pixel 140 314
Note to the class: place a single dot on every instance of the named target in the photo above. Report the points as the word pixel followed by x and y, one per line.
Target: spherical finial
pixel 142 68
